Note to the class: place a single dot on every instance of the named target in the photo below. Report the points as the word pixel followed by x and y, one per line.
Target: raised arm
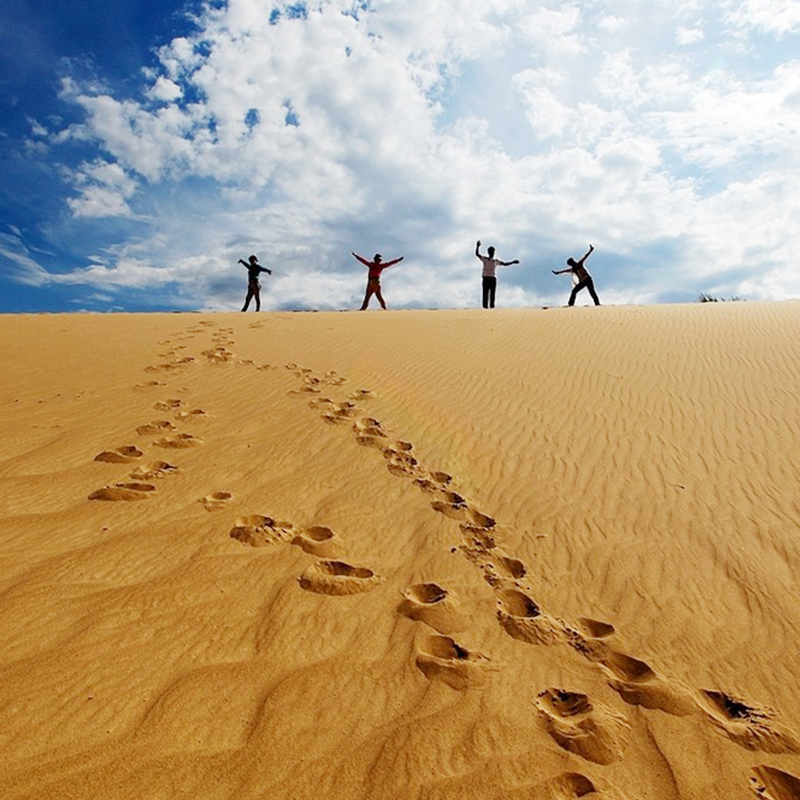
pixel 587 254
pixel 362 260
pixel 478 249
pixel 392 263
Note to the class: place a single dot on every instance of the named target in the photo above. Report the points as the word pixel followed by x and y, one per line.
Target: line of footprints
pixel 576 723
pixel 140 483
pixel 581 726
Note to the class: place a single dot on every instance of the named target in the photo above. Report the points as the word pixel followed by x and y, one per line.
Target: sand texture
pixel 535 554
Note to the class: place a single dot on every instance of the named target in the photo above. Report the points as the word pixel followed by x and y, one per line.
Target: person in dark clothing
pixel 583 280
pixel 254 269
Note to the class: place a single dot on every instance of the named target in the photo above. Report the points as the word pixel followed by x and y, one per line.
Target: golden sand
pixel 509 555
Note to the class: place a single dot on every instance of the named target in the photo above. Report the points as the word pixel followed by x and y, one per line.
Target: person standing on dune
pixel 582 276
pixel 375 267
pixel 489 280
pixel 254 269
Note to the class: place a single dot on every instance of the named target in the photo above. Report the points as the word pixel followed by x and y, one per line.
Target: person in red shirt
pixel 375 267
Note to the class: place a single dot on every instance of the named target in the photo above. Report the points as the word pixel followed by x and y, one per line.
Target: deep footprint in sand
pixel 523 619
pixel 155 427
pixel 774 784
pixel 216 500
pixel 319 541
pixel 259 530
pixel 432 604
pixel 748 726
pixel 155 469
pixel 441 658
pixel 179 441
pixel 338 578
pixel 120 455
pixel 124 491
pixel 193 415
pixel 595 629
pixel 569 786
pixel 168 405
pixel 591 731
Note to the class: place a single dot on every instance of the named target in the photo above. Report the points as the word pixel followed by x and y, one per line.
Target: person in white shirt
pixel 490 265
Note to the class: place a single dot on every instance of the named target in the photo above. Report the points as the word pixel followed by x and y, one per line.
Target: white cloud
pixel 302 139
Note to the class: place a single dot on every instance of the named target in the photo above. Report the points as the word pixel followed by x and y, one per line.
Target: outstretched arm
pixel 561 271
pixel 244 263
pixel 362 260
pixel 392 263
pixel 587 254
pixel 508 263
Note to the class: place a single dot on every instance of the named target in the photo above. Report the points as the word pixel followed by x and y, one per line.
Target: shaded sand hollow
pixel 522 554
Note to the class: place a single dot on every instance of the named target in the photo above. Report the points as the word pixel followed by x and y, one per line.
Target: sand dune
pixel 543 554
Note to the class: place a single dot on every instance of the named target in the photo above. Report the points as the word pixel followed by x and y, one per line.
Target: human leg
pixel 492 291
pixel 370 291
pixel 575 289
pixel 592 292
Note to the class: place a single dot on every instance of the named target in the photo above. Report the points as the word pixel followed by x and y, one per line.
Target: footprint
pixel 148 385
pixel 522 619
pixel 399 462
pixel 594 628
pixel 257 530
pixel 155 469
pixel 746 725
pixel 319 402
pixel 431 604
pixel 319 541
pixel 218 354
pixel 443 659
pixel 216 500
pixel 513 567
pixel 569 786
pixel 168 405
pixel 120 455
pixel 157 426
pixel 368 426
pixel 179 441
pixel 124 491
pixel 774 784
pixel 193 414
pixel 639 685
pixel 362 394
pixel 338 578
pixel 595 733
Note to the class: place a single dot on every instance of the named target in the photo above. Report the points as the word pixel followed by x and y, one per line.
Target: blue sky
pixel 145 148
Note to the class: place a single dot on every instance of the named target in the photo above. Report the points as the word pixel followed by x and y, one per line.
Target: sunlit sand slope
pixel 511 555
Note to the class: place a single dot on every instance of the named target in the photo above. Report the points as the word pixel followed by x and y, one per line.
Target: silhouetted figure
pixel 254 269
pixel 584 279
pixel 375 267
pixel 489 280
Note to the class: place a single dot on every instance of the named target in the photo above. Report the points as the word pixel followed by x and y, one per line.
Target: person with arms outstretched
pixel 254 269
pixel 375 267
pixel 583 278
pixel 489 278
